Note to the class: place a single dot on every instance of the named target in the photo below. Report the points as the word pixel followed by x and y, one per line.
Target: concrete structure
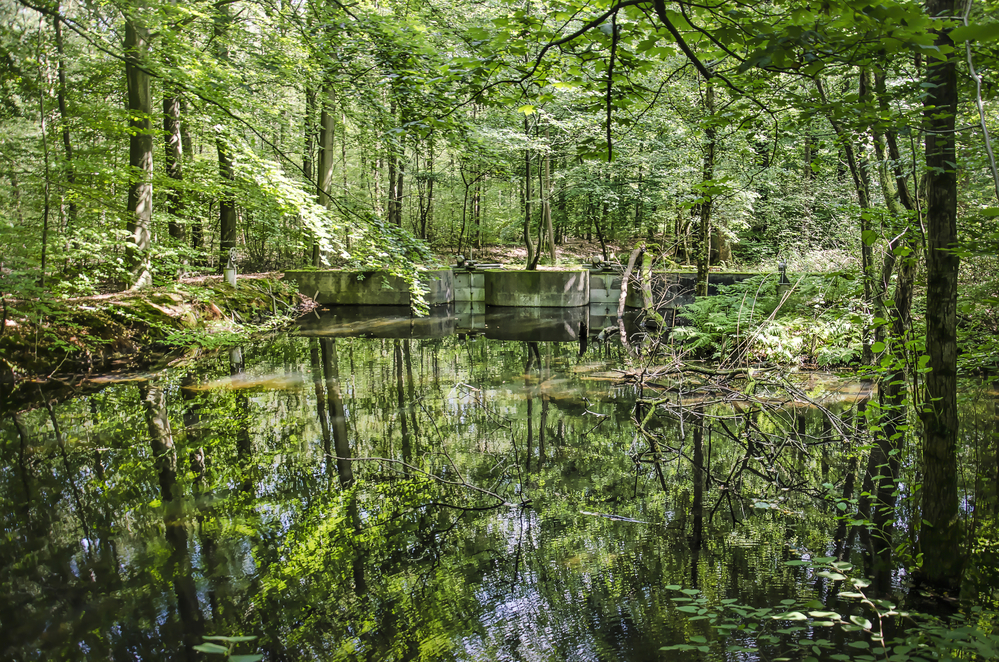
pixel 537 289
pixel 371 288
pixel 472 290
pixel 470 286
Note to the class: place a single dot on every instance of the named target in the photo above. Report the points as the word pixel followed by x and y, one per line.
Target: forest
pixel 146 142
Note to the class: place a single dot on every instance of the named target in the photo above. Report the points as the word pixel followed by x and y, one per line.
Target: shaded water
pixel 450 496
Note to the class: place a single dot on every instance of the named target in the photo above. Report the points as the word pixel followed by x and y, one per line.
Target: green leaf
pixel 699 639
pixel 245 658
pixel 211 648
pixel 878 347
pixel 790 616
pixel 823 614
pixel 861 621
pixel 526 109
pixel 868 237
pixel 975 32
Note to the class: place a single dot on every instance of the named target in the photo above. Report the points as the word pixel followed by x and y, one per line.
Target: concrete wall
pixel 498 287
pixel 372 288
pixel 531 289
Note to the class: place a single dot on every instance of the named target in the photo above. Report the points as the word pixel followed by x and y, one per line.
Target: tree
pixel 139 211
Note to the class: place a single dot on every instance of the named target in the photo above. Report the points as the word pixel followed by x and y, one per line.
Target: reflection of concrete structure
pixel 510 323
pixel 377 322
pixel 550 324
pixel 537 289
pixel 370 288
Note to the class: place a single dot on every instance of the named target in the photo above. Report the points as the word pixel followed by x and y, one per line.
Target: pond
pixel 381 489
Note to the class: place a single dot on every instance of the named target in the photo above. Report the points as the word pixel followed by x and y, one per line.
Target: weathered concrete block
pixel 371 288
pixel 605 281
pixel 604 296
pixel 560 289
pixel 470 294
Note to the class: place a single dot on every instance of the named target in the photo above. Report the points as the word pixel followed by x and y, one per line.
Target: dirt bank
pixel 41 340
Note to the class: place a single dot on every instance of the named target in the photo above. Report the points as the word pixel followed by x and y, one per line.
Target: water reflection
pixel 342 503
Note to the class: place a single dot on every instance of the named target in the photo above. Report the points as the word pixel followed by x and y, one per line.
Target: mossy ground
pixel 41 338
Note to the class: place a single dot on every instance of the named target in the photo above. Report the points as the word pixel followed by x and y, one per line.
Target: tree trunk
pixel 227 204
pixel 707 175
pixel 547 201
pixel 324 174
pixel 862 187
pixel 940 536
pixel 139 212
pixel 532 257
pixel 61 94
pixel 174 162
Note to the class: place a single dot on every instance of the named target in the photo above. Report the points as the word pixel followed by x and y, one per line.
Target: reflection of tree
pixel 178 567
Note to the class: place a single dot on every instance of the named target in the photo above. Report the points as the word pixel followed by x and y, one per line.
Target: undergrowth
pixel 817 321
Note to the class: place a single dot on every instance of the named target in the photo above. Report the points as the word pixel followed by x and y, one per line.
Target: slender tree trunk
pixel 139 212
pixel 187 149
pixel 532 257
pixel 61 95
pixel 707 175
pixel 862 187
pixel 324 176
pixel 547 201
pixel 228 219
pixel 940 537
pixel 174 163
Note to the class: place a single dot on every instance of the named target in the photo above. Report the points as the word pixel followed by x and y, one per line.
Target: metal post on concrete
pixel 230 268
pixel 783 284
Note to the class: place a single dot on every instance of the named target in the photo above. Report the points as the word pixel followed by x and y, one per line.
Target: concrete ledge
pixel 370 288
pixel 537 289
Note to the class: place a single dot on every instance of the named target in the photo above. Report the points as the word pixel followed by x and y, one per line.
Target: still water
pixel 382 489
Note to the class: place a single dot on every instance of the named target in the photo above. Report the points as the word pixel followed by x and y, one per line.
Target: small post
pixel 230 268
pixel 783 284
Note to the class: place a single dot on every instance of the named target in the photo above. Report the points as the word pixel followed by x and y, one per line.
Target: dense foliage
pixel 141 141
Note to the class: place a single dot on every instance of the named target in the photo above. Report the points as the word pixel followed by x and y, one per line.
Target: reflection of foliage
pixel 281 546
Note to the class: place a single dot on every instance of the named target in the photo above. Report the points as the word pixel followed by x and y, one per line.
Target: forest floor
pixel 41 340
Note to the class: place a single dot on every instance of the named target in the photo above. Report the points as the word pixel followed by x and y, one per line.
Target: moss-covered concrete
pixel 336 287
pixel 537 289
